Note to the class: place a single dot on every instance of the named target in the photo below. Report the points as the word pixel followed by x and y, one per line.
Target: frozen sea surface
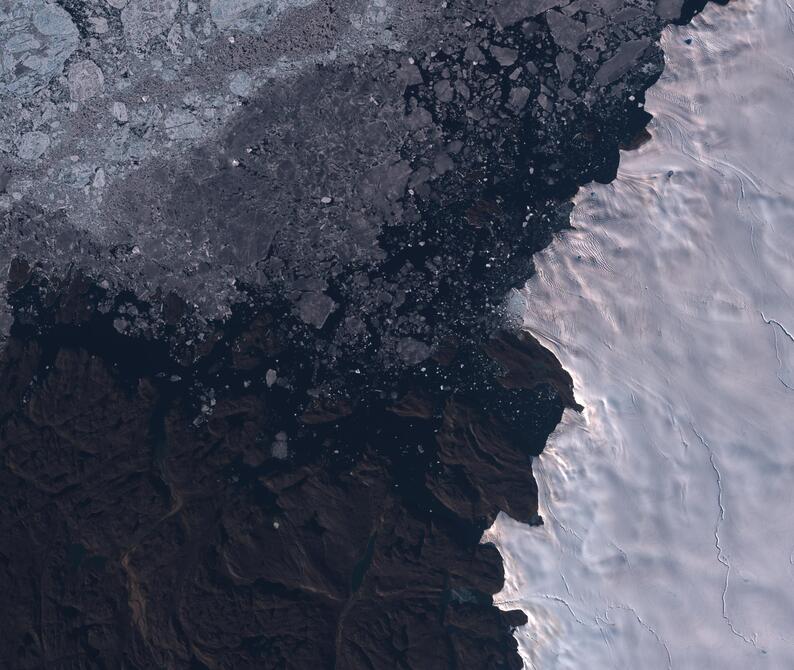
pixel 669 518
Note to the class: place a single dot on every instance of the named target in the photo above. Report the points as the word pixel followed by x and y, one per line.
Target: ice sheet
pixel 669 527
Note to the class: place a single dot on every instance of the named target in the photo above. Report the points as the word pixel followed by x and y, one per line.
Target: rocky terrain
pixel 261 391
pixel 145 531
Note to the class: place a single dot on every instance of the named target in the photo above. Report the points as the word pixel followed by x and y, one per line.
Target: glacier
pixel 668 539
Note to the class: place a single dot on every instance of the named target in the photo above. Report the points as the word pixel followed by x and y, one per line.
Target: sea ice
pixel 36 39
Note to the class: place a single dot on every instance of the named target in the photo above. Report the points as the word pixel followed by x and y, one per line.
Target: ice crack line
pixel 545 596
pixel 649 629
pixel 717 542
pixel 773 323
pixel 557 599
pixel 779 325
pixel 550 510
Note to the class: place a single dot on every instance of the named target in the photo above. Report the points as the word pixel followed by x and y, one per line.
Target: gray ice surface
pixel 172 145
pixel 36 39
pixel 250 15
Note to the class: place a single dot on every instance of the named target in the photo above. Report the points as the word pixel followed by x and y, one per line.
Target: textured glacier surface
pixel 668 504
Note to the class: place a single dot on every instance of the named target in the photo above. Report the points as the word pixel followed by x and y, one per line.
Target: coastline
pixel 153 450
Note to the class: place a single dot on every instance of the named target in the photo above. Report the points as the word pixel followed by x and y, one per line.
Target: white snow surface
pixel 669 503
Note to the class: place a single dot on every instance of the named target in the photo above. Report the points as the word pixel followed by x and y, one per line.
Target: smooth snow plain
pixel 669 503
